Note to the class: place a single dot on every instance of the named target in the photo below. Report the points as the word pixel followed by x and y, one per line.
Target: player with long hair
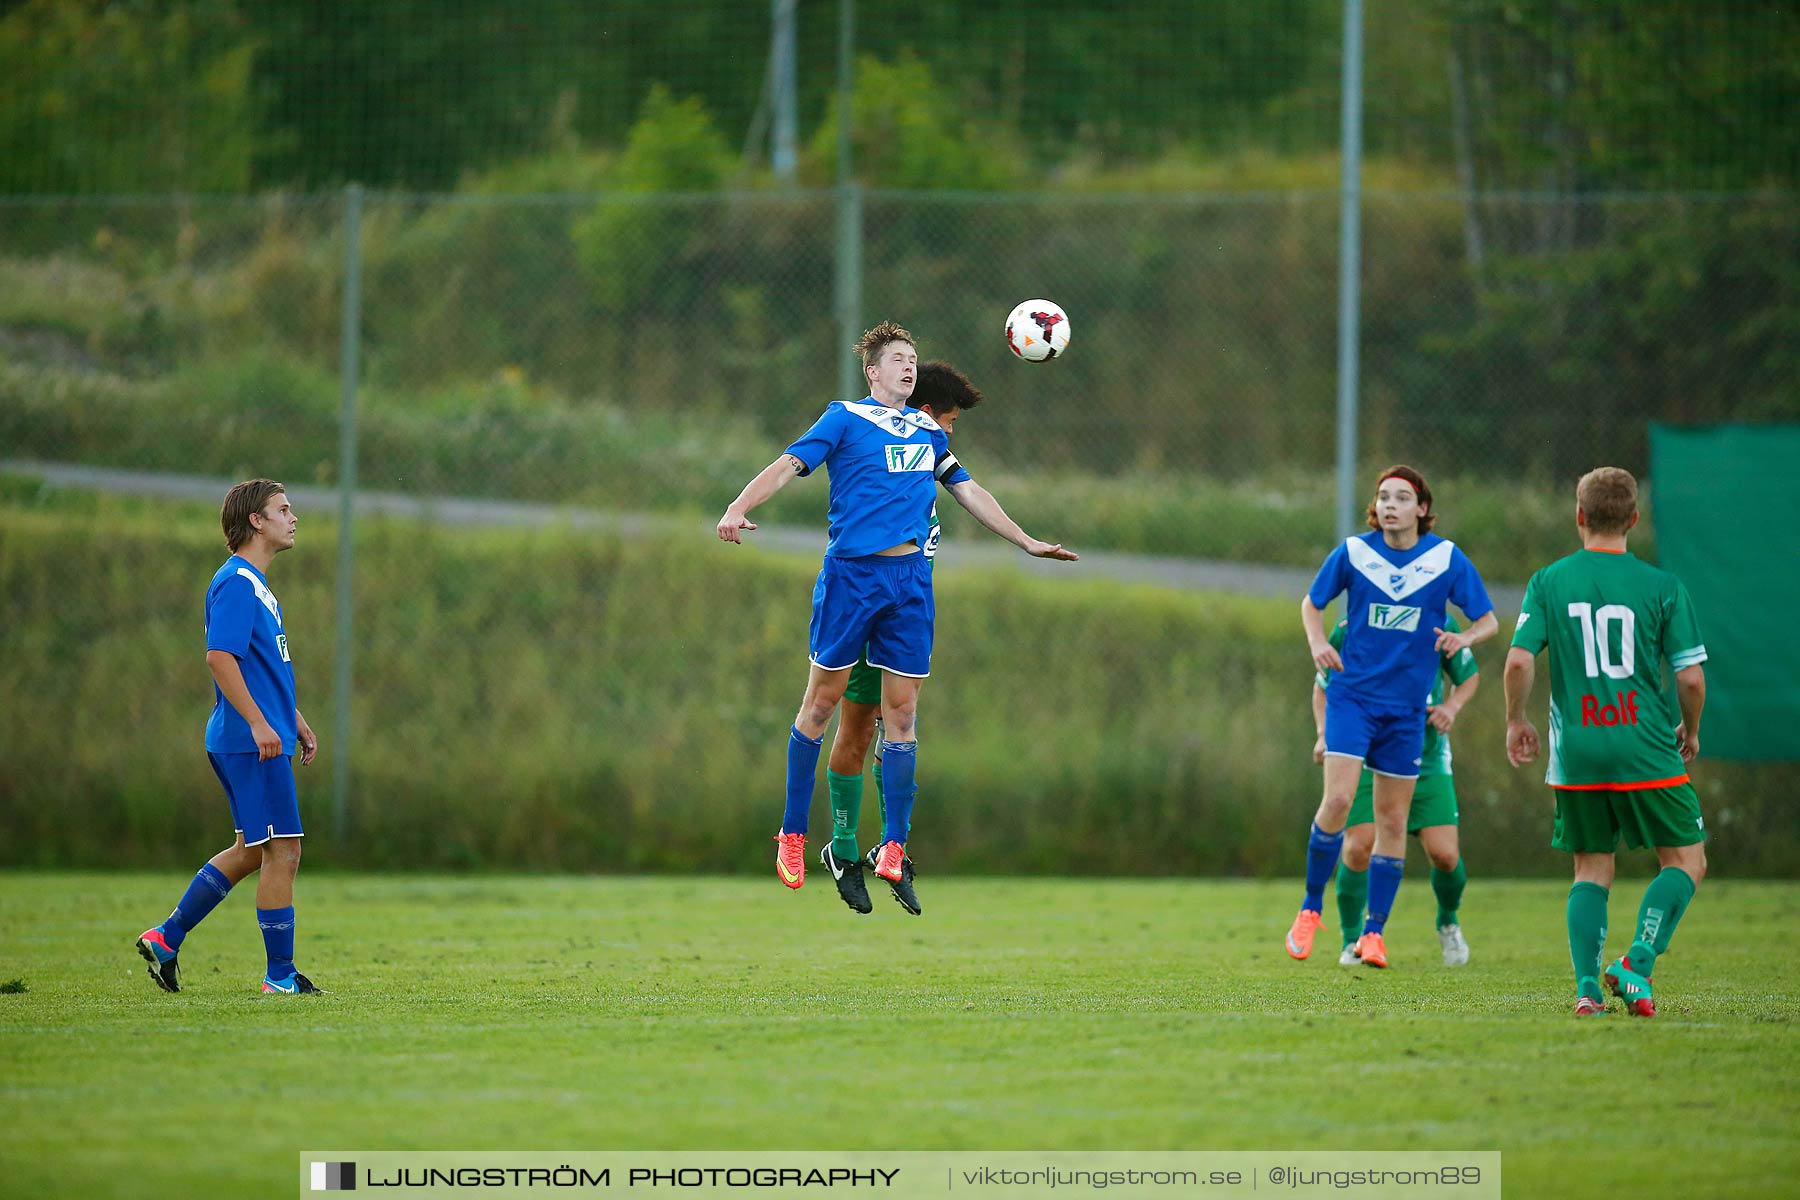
pixel 1398 580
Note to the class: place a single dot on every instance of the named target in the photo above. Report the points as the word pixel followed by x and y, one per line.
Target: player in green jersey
pixel 1432 818
pixel 1618 754
pixel 943 393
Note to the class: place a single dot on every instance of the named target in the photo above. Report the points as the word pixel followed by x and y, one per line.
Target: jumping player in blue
pixel 1399 577
pixel 874 591
pixel 942 393
pixel 254 731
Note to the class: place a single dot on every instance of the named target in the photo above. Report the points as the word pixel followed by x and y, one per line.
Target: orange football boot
pixel 1373 950
pixel 790 858
pixel 1300 934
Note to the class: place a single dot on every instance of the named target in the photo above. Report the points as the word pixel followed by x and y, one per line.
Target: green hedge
pixel 563 701
pixel 501 440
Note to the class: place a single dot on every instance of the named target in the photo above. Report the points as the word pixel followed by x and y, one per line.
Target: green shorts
pixel 1590 822
pixel 1433 802
pixel 865 683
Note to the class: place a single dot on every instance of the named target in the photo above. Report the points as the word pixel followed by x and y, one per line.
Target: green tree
pixel 125 97
pixel 1630 94
pixel 909 132
pixel 421 93
pixel 641 250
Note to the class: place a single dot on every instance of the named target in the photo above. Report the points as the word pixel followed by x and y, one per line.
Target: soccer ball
pixel 1037 331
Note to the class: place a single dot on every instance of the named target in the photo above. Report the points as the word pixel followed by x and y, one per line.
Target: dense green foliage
pixel 512 1013
pixel 421 93
pixel 611 246
pixel 1204 337
pixel 107 97
pixel 567 700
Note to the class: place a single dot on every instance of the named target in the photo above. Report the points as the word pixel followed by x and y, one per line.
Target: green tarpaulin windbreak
pixel 1727 506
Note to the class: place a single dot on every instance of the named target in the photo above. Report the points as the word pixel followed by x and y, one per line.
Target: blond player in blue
pixel 885 460
pixel 251 738
pixel 942 393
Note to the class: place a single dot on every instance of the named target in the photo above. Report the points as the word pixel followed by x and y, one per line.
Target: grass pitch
pixel 660 1013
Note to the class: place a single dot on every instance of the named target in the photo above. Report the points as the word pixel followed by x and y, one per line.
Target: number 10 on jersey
pixel 1597 637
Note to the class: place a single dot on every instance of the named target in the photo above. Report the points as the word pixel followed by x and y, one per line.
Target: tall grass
pixel 561 700
pixel 503 439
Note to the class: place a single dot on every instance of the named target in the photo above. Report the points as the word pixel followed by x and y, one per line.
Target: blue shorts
pixel 881 603
pixel 1389 741
pixel 262 797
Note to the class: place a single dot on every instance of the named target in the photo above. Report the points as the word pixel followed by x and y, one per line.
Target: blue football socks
pixel 278 940
pixel 803 769
pixel 204 891
pixel 899 761
pixel 1384 885
pixel 1322 850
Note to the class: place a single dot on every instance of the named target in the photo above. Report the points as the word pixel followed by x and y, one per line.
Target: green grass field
pixel 667 1013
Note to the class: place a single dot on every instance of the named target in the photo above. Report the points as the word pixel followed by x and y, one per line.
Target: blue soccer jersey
pixel 885 465
pixel 243 618
pixel 1395 599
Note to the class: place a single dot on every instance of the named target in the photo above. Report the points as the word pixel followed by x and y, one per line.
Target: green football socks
pixel 1587 934
pixel 846 810
pixel 1449 887
pixel 1352 898
pixel 1665 900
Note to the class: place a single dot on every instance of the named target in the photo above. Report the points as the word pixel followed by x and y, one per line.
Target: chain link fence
pixel 649 352
pixel 588 311
pixel 599 684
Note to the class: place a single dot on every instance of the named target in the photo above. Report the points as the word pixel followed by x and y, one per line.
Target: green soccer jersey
pixel 1608 621
pixel 1435 759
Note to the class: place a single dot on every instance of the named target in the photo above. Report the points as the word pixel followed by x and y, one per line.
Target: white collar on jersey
pixel 899 422
pixel 1398 582
pixel 262 592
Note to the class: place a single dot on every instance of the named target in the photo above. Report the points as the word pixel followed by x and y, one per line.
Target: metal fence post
pixel 1349 268
pixel 847 281
pixel 349 348
pixel 784 136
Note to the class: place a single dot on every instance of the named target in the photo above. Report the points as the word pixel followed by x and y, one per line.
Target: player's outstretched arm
pixel 1690 693
pixel 768 481
pixel 1521 735
pixel 984 508
pixel 1324 654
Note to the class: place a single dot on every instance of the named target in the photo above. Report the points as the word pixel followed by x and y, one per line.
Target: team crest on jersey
pixel 894 420
pixel 281 644
pixel 903 458
pixel 1400 618
pixel 1398 581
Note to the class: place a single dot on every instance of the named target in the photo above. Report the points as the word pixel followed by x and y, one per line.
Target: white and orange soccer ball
pixel 1038 331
